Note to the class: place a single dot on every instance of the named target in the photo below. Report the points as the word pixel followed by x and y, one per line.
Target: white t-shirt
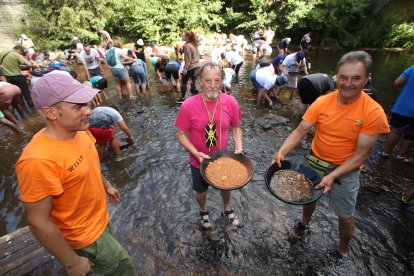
pixel 234 57
pixel 228 77
pixel 266 78
pixel 290 65
pixel 90 59
pixel 79 47
pixel 215 54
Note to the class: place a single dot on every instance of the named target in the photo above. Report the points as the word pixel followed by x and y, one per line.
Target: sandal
pixel 231 217
pixel 205 224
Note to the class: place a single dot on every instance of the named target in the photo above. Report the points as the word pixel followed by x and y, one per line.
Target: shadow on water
pixel 157 220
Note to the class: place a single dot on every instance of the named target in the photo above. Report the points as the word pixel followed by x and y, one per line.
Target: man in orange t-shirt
pixel 348 123
pixel 61 185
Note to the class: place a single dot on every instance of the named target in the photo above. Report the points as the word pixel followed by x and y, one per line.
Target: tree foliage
pixel 51 23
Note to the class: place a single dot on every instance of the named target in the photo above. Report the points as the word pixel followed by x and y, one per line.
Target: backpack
pixel 110 57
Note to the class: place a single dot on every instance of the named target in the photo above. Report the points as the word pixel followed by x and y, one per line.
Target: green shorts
pixel 108 256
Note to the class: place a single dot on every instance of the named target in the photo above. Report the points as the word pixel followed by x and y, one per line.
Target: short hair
pixel 356 56
pixel 117 44
pixel 19 48
pixel 210 66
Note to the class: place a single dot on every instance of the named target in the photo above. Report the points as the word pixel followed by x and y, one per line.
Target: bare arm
pixel 86 69
pixel 237 139
pixel 113 193
pixel 125 129
pixel 364 146
pixel 38 217
pixel 400 81
pixel 186 143
pixel 292 141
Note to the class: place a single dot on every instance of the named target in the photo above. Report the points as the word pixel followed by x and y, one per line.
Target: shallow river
pixel 157 220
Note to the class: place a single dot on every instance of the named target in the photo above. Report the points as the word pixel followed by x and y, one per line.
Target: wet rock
pixel 274 119
pixel 263 123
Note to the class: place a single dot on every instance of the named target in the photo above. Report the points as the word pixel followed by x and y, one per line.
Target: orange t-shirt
pixel 69 171
pixel 338 126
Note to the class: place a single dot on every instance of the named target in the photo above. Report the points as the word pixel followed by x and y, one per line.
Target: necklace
pixel 211 129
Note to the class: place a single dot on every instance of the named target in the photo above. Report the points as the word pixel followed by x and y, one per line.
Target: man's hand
pixel 113 195
pixel 326 183
pixel 200 156
pixel 81 267
pixel 277 158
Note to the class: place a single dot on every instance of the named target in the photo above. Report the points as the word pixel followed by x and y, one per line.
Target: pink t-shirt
pixel 192 118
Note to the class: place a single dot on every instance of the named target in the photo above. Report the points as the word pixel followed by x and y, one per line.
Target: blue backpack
pixel 110 57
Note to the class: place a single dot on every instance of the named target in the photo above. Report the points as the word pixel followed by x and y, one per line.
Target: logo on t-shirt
pixel 323 115
pixel 76 164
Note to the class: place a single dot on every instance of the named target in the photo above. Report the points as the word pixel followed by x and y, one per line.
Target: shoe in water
pixel 404 159
pixel 180 100
pixel 407 202
pixel 232 218
pixel 298 230
pixel 384 154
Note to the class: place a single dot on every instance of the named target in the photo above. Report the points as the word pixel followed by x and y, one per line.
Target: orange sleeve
pixel 37 179
pixel 376 123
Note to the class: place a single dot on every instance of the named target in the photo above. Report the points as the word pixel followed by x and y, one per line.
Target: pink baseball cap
pixel 54 88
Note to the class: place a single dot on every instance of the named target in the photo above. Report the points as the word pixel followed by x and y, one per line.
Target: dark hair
pixel 73 74
pixel 19 48
pixel 356 56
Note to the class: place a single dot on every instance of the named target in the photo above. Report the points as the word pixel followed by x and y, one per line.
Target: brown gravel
pixel 227 173
pixel 291 185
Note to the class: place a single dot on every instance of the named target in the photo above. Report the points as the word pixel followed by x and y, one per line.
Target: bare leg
pixel 118 88
pixel 18 105
pixel 127 82
pixel 405 148
pixel 410 195
pixel 308 210
pixel 101 150
pixel 346 231
pixel 393 139
pixel 226 195
pixel 137 89
pixel 115 147
pixel 201 200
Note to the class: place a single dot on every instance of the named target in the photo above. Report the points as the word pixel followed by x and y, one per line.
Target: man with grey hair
pixel 203 123
pixel 348 123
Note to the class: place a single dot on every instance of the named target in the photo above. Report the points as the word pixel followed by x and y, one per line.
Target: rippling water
pixel 157 220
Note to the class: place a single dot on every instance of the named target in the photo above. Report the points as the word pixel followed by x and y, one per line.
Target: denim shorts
pixel 199 184
pixel 119 73
pixel 343 196
pixel 254 81
pixel 138 74
pixel 108 256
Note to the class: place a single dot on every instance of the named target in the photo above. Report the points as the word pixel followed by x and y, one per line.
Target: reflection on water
pixel 157 219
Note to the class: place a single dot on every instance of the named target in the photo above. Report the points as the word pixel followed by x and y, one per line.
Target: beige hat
pixel 24 36
pixel 75 38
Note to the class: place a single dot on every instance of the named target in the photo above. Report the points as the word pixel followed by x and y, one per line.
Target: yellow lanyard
pixel 211 127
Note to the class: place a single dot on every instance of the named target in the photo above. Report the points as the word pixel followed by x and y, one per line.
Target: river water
pixel 157 220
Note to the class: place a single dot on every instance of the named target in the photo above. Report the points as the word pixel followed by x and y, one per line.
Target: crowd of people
pixel 59 165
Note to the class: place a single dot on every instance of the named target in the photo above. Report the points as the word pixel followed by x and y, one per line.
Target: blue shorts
pixel 253 80
pixel 199 184
pixel 401 122
pixel 119 73
pixel 342 197
pixel 138 74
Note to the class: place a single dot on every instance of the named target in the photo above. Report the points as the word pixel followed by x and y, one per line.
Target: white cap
pixel 75 38
pixel 140 42
pixel 288 40
pixel 24 36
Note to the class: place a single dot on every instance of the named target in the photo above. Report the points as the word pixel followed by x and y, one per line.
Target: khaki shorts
pixel 292 81
pixel 108 256
pixel 342 197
